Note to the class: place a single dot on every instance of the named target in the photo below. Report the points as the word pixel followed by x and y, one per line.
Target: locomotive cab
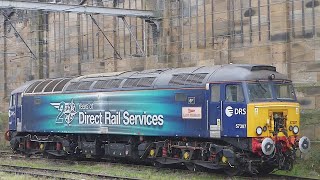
pixel 261 107
pixel 274 122
pixel 15 108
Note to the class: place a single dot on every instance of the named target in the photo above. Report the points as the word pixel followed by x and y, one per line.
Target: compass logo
pixel 229 111
pixel 67 111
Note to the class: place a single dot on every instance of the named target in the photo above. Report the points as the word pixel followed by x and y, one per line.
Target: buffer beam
pixel 145 14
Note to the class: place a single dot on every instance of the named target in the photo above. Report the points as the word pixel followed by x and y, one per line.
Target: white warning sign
pixel 191 112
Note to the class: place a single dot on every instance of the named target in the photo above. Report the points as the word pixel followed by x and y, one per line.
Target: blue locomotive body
pixel 144 112
pixel 136 112
pixel 195 115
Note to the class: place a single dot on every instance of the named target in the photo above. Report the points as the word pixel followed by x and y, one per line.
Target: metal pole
pixel 126 24
pixel 8 20
pixel 95 22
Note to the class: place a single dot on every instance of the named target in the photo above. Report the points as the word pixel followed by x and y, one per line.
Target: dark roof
pixel 158 78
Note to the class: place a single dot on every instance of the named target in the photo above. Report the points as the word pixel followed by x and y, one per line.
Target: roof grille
pixel 42 85
pixel 73 86
pixel 84 85
pixel 187 79
pixel 146 82
pixel 139 82
pixel 61 85
pixel 33 86
pixel 52 84
pixel 107 84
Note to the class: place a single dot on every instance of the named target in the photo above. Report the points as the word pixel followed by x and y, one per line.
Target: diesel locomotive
pixel 237 118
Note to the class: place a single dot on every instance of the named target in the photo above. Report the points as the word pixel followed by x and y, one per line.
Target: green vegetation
pixel 3 127
pixel 5 176
pixel 3 122
pixel 310 117
pixel 308 165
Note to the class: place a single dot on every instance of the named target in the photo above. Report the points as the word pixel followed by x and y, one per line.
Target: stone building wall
pixel 282 33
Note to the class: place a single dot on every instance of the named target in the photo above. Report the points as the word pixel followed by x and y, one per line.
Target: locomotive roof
pixel 154 78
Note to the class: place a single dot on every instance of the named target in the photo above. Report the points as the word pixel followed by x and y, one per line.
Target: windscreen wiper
pixel 260 85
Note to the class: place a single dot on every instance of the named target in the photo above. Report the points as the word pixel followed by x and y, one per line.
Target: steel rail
pixel 285 177
pixel 17 169
pixel 34 174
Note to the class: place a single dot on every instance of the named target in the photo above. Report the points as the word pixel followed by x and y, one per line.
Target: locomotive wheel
pixel 235 171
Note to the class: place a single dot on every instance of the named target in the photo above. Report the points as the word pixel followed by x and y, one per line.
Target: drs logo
pixel 230 111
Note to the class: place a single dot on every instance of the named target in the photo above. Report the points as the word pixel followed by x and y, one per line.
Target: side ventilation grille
pixel 187 79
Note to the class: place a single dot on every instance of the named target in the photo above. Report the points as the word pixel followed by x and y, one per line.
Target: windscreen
pixel 270 91
pixel 284 91
pixel 259 91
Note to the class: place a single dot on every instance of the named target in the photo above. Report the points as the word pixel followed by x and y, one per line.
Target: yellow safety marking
pixel 224 159
pixel 186 155
pixel 152 152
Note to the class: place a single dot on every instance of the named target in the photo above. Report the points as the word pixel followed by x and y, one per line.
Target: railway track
pixel 286 177
pixel 104 161
pixel 55 173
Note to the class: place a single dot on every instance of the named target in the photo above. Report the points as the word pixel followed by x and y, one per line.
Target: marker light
pixel 290 128
pixel 295 129
pixel 271 76
pixel 264 128
pixel 259 130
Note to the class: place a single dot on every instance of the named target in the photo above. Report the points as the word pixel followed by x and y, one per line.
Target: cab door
pixel 234 111
pixel 214 110
pixel 19 111
pixel 15 109
pixel 12 113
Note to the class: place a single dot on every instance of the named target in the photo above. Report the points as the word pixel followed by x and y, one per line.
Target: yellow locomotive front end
pixel 268 119
pixel 273 122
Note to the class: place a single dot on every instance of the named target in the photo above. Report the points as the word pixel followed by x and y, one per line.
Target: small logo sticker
pixel 229 111
pixel 191 100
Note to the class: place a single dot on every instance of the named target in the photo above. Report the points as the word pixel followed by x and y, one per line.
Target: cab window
pixel 259 91
pixel 284 91
pixel 13 102
pixel 19 100
pixel 234 93
pixel 215 93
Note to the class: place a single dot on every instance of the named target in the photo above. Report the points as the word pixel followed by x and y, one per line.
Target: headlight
pixel 259 130
pixel 295 129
